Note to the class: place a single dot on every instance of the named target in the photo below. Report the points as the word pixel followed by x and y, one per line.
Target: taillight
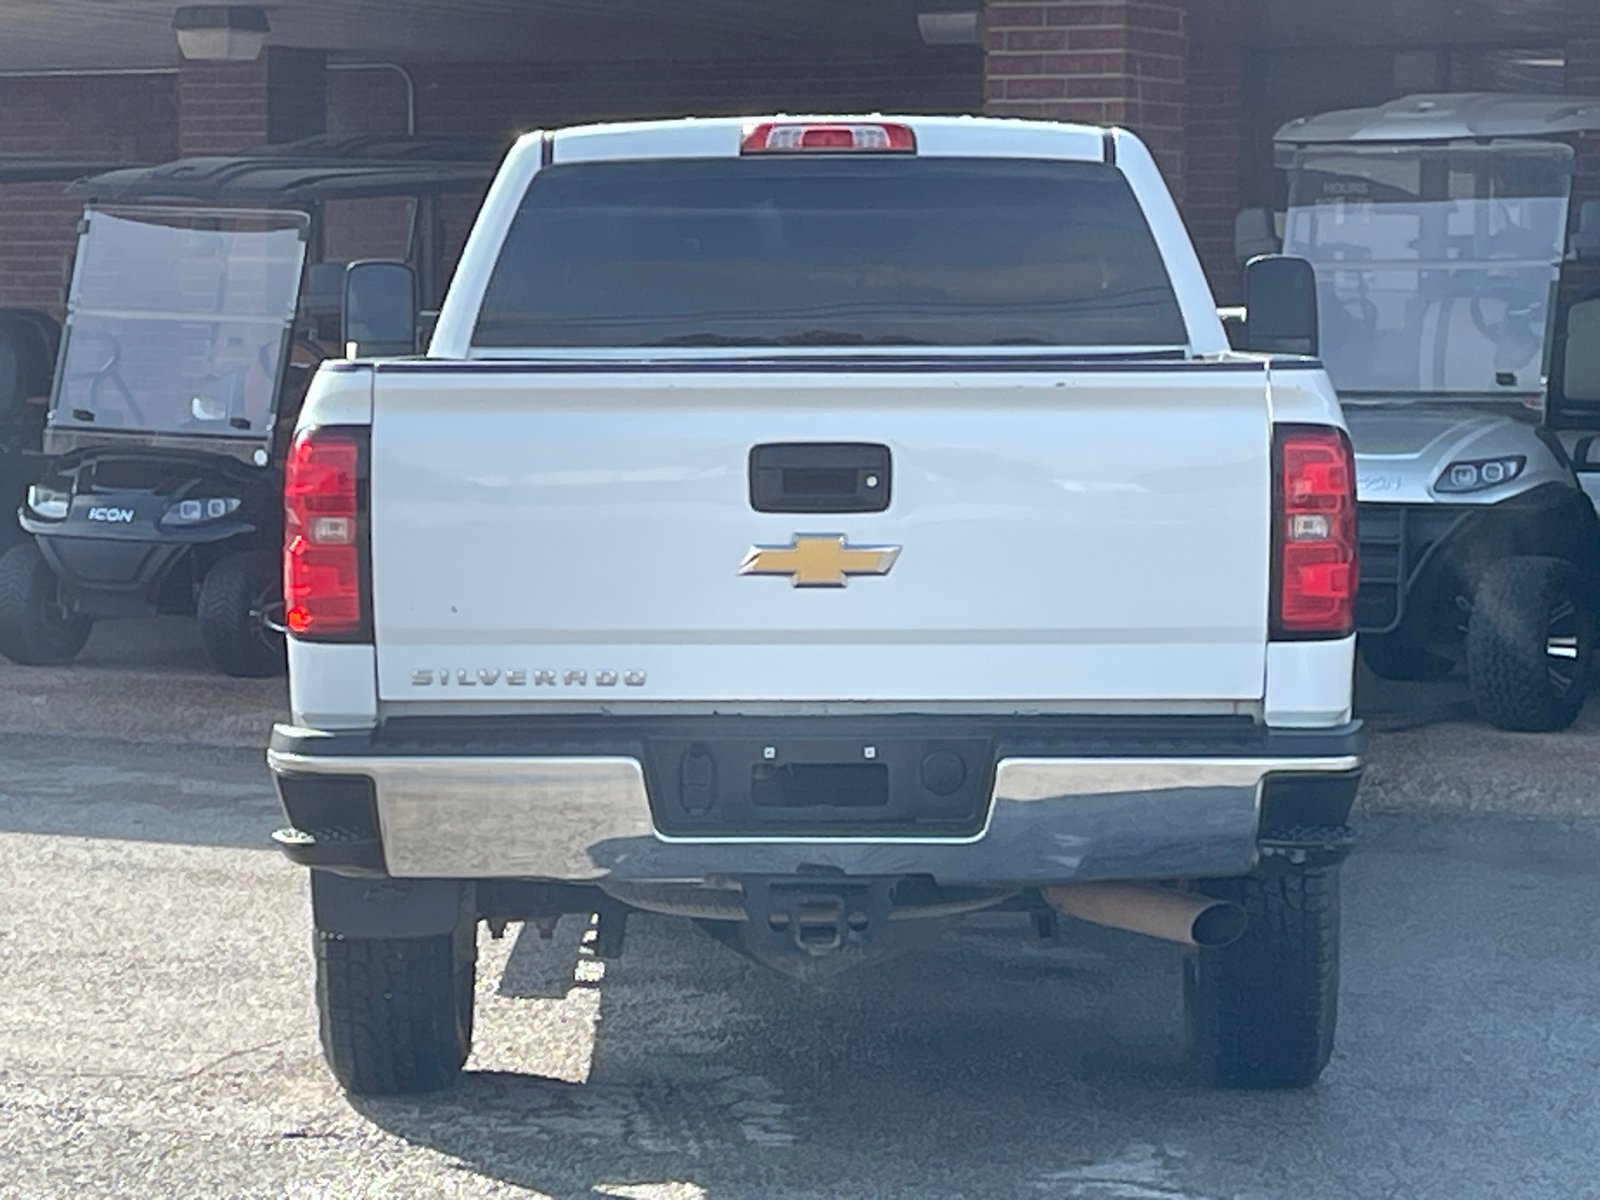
pixel 828 137
pixel 325 561
pixel 1314 533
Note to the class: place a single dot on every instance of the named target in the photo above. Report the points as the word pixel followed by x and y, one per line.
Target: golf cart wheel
pixel 1530 644
pixel 396 1013
pixel 1260 1012
pixel 235 599
pixel 36 628
pixel 1392 656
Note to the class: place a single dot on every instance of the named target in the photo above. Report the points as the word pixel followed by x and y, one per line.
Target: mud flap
pixel 388 908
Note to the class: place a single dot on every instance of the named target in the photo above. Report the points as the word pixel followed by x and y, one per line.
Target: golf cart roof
pixel 37 168
pixel 1448 117
pixel 304 172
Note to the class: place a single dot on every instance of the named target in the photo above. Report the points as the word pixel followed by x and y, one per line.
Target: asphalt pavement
pixel 158 1037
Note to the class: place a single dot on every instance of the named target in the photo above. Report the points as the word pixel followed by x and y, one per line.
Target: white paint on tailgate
pixel 1309 684
pixel 332 685
pixel 339 395
pixel 1088 536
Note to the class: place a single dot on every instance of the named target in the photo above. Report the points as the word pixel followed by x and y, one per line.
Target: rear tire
pixel 1260 1012
pixel 1530 644
pixel 231 613
pixel 36 629
pixel 1391 656
pixel 396 1013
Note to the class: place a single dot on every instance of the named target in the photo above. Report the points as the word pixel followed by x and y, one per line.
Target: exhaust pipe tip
pixel 1182 917
pixel 1218 925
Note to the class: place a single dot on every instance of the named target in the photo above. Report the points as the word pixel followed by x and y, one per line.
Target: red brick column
pixel 1583 79
pixel 1117 62
pixel 1214 139
pixel 224 107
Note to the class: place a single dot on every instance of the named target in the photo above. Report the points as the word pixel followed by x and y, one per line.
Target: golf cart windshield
pixel 1435 264
pixel 178 321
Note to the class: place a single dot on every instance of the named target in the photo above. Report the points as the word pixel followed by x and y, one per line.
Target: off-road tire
pixel 396 1013
pixel 35 631
pixel 1260 1012
pixel 1521 606
pixel 228 611
pixel 1395 657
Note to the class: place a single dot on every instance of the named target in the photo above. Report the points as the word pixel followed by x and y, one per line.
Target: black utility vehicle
pixel 203 296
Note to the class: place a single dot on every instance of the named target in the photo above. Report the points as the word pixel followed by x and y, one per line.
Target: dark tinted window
pixel 836 251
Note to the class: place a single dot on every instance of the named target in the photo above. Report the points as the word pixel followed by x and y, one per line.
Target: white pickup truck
pixel 822 529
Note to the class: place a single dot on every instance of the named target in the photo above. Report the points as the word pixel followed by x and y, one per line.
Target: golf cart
pixel 203 296
pixel 1459 298
pixel 29 338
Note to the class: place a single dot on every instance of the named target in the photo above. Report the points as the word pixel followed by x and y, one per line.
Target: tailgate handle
pixel 819 477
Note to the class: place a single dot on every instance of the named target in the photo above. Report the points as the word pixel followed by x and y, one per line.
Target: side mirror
pixel 379 313
pixel 1280 300
pixel 1254 233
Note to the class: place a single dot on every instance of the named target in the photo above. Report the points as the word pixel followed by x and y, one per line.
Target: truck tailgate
pixel 576 536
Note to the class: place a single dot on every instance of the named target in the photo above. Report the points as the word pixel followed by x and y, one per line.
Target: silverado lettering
pixel 521 676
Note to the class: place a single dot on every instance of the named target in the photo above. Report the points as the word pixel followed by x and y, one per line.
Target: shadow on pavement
pixel 106 788
pixel 999 1068
pixel 713 1074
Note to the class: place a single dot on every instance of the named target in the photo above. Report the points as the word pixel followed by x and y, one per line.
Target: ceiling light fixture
pixel 221 33
pixel 950 22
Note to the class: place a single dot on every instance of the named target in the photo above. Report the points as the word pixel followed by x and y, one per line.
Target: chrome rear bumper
pixel 585 818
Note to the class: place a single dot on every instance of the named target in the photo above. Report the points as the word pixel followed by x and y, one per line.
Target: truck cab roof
pixel 971 137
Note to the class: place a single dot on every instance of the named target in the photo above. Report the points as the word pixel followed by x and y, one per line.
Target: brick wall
pixel 122 118
pixel 1214 139
pixel 504 98
pixel 366 102
pixel 223 107
pixel 1118 62
pixel 1583 79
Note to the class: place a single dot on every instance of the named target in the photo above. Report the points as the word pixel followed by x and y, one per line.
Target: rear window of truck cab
pixel 830 251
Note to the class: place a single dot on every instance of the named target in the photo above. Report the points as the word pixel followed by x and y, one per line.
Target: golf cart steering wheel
pixel 1518 305
pixel 107 371
pixel 1513 335
pixel 1363 312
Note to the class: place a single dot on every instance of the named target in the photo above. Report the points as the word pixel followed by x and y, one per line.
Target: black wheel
pixel 236 598
pixel 1260 1011
pixel 1530 644
pixel 36 628
pixel 1392 656
pixel 396 1013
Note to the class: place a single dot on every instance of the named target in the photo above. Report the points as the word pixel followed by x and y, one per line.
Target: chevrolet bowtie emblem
pixel 819 560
